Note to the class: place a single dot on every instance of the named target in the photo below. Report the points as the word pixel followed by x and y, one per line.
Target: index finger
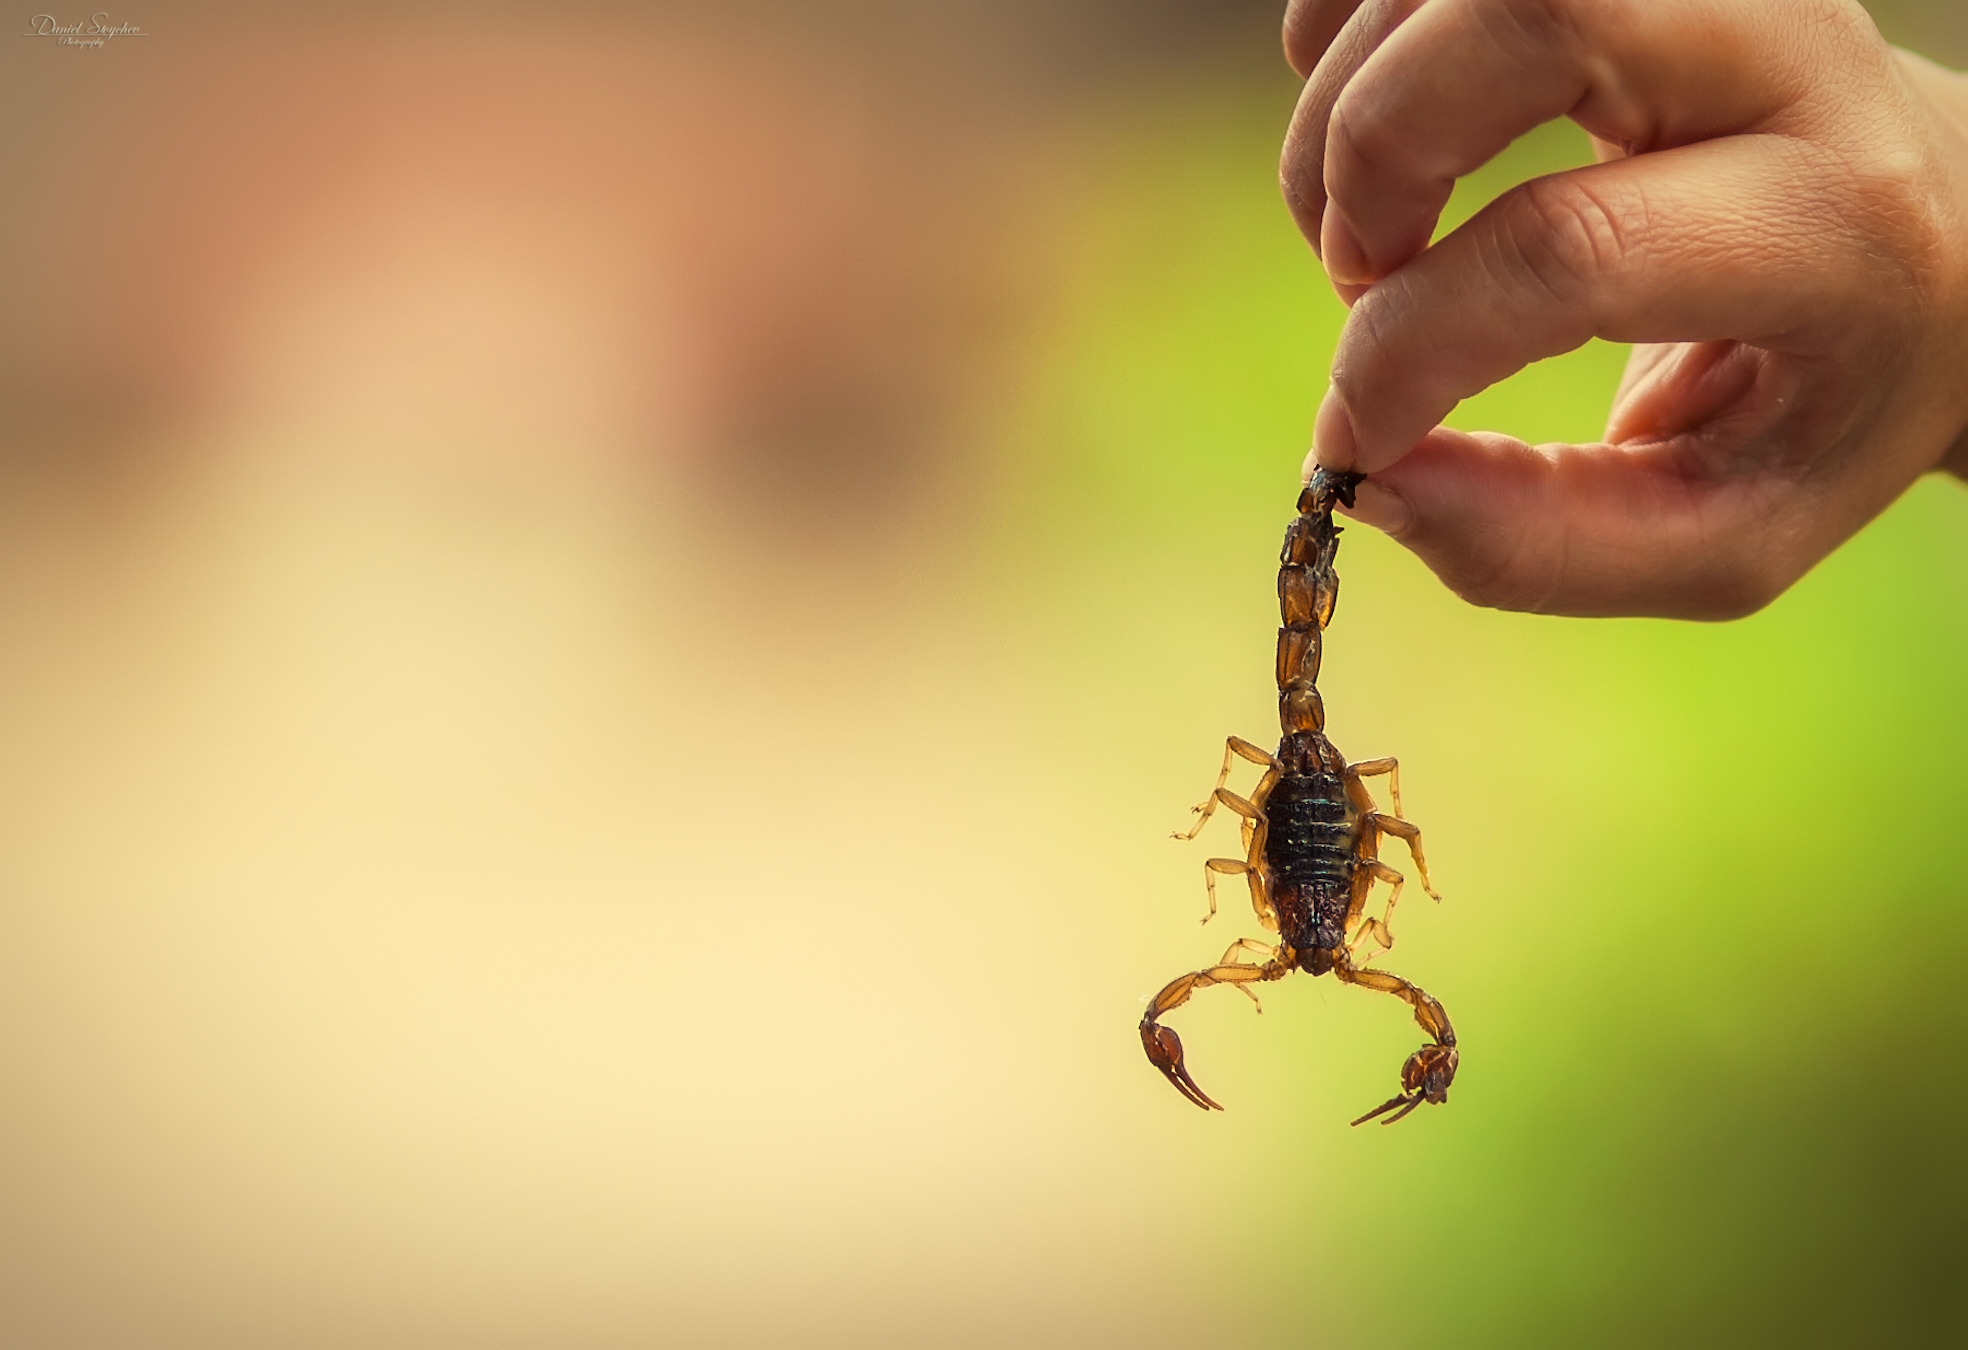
pixel 1656 248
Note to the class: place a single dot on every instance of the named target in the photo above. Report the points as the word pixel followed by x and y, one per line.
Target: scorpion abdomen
pixel 1309 846
pixel 1309 835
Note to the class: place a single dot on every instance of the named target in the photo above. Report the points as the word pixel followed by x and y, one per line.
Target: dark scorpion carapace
pixel 1311 836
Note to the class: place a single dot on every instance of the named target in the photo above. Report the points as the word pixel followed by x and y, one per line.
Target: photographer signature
pixel 92 32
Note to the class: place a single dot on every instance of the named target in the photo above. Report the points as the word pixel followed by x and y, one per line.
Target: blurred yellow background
pixel 604 614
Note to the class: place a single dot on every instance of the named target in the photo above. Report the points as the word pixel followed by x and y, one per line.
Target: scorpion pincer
pixel 1311 837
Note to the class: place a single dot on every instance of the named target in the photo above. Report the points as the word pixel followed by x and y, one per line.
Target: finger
pixel 1663 247
pixel 1675 388
pixel 1309 27
pixel 1586 530
pixel 1301 167
pixel 1448 89
pixel 1642 364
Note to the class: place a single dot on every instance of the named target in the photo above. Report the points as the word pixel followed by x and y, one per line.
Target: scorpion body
pixel 1311 836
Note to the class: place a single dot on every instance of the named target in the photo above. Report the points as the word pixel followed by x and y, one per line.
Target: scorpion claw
pixel 1424 1078
pixel 1404 1101
pixel 1164 1049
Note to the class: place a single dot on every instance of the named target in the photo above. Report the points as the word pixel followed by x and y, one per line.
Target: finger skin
pixel 1451 87
pixel 1795 272
pixel 1661 247
pixel 1309 27
pixel 1301 166
pixel 1582 530
pixel 1410 97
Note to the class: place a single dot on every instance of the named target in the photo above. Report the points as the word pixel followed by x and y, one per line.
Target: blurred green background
pixel 602 632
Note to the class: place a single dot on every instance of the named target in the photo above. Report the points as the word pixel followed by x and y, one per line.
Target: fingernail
pixel 1383 508
pixel 1332 434
pixel 1346 263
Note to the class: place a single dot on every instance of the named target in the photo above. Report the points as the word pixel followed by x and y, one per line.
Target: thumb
pixel 1579 529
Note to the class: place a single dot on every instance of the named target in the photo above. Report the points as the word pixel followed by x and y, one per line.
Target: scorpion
pixel 1311 837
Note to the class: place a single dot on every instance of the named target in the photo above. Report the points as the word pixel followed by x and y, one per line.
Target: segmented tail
pixel 1308 589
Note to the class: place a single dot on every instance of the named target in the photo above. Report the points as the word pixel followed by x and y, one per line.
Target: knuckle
pixel 1914 227
pixel 1560 237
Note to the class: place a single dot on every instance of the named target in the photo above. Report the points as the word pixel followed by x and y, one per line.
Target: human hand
pixel 1778 217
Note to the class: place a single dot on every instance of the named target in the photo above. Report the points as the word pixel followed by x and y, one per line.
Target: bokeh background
pixel 605 612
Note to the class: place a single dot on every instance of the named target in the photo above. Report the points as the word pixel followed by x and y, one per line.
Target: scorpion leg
pixel 1164 1047
pixel 1257 873
pixel 1253 946
pixel 1251 868
pixel 1410 834
pixel 1234 748
pixel 1228 867
pixel 1368 871
pixel 1251 810
pixel 1373 768
pixel 1429 1071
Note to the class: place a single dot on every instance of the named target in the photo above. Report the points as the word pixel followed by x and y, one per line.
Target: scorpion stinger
pixel 1311 835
